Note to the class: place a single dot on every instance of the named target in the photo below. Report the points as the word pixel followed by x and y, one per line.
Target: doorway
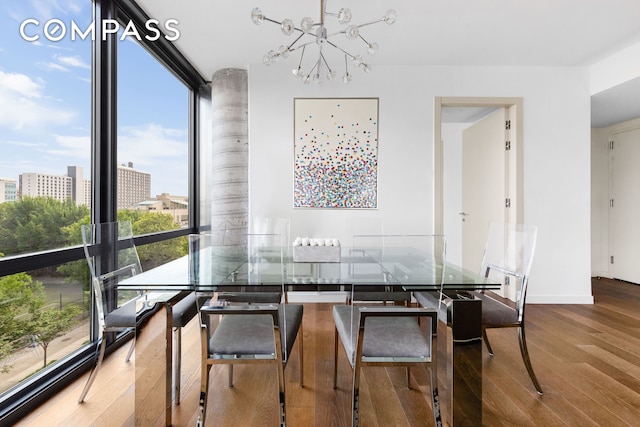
pixel 479 174
pixel 624 233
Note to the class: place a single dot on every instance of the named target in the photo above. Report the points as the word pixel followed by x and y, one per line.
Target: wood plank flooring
pixel 587 358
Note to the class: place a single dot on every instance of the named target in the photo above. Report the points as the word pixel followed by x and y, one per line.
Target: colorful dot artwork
pixel 336 153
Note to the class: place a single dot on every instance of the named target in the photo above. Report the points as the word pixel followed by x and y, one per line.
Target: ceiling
pixel 217 34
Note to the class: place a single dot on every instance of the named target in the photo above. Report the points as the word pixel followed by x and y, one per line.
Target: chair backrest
pixel 112 256
pixel 405 259
pixel 245 268
pixel 508 257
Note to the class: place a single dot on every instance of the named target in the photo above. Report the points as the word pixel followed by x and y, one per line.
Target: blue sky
pixel 45 101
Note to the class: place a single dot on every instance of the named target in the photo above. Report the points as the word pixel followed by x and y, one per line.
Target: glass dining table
pixel 397 265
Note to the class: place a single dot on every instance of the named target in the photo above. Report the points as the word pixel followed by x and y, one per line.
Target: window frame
pixel 25 397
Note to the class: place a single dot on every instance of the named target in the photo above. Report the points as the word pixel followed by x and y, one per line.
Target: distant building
pixel 60 187
pixel 177 206
pixel 133 186
pixel 8 190
pixel 42 185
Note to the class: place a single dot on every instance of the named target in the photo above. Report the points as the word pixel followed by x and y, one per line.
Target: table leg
pixel 460 364
pixel 153 381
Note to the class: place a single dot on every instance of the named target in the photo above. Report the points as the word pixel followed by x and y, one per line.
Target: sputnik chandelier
pixel 320 37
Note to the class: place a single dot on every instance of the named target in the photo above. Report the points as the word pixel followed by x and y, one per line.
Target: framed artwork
pixel 335 153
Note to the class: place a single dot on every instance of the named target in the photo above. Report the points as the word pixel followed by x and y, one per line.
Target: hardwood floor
pixel 587 358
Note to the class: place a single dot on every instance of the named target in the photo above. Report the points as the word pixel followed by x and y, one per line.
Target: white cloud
pixel 72 146
pixel 72 61
pixel 23 104
pixel 146 145
pixel 21 84
pixel 52 66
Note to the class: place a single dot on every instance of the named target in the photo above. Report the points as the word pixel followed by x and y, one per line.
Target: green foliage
pixel 35 224
pixel 47 325
pixel 152 222
pixel 20 297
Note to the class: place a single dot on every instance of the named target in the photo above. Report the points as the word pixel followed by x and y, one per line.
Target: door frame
pixel 517 213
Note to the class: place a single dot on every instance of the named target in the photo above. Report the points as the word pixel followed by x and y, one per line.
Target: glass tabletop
pixel 211 265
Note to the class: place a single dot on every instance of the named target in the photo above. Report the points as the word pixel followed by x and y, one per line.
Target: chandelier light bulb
pixel 357 60
pixel 256 16
pixel 346 78
pixel 331 75
pixel 389 17
pixel 297 71
pixel 344 16
pixel 352 32
pixel 287 27
pixel 306 24
pixel 283 52
pixel 372 48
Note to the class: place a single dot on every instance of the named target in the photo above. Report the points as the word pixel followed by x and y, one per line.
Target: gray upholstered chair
pixel 386 336
pixel 245 323
pixel 377 335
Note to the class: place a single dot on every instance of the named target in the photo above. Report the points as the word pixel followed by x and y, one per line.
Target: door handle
pixel 463 215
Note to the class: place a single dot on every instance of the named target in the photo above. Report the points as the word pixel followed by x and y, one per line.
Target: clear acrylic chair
pixel 243 318
pixel 507 259
pixel 375 335
pixel 112 257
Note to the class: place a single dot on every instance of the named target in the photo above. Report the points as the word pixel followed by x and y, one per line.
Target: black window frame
pixel 25 397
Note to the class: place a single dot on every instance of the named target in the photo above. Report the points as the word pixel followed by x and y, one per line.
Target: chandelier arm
pixel 341 49
pixel 325 62
pixel 301 45
pixel 370 23
pixel 295 41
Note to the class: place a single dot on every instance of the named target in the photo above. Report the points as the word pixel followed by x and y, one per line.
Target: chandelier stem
pixel 323 10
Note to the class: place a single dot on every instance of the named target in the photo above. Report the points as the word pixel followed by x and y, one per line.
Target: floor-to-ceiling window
pixel 153 149
pixel 45 141
pixel 58 95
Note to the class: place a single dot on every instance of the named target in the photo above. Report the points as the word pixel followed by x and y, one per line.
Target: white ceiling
pixel 217 34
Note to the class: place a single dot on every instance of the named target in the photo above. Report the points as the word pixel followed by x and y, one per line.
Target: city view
pixel 45 177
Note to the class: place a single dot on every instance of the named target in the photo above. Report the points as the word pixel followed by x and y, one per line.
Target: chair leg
pixel 281 400
pixel 177 362
pixel 527 361
pixel 486 341
pixel 355 401
pixel 94 371
pixel 230 376
pixel 204 386
pixel 133 346
pixel 435 398
pixel 408 375
pixel 335 358
pixel 300 356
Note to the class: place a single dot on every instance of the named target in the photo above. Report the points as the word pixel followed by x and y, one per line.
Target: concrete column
pixel 229 186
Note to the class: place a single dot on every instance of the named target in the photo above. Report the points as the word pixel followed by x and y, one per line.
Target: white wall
pixel 556 157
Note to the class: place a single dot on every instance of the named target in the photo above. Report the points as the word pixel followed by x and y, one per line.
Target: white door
pixel 484 183
pixel 624 221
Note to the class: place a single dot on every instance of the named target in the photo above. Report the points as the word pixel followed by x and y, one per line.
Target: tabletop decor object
pixel 316 250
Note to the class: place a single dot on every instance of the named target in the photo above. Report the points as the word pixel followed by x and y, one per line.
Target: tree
pixel 19 297
pixel 47 325
pixel 36 223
